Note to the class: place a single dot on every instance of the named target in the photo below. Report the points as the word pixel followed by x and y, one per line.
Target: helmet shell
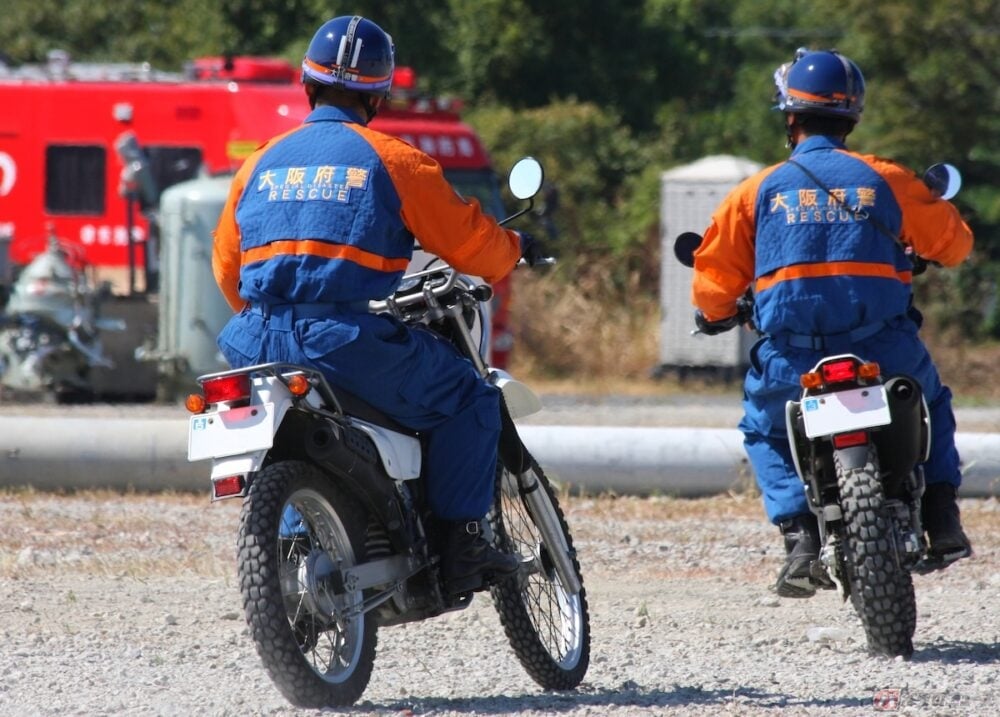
pixel 353 53
pixel 822 82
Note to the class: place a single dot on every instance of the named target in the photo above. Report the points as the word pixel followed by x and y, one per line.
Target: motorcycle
pixel 50 328
pixel 857 440
pixel 335 538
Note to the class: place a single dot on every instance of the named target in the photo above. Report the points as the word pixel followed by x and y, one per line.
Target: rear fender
pixel 797 442
pixel 853 457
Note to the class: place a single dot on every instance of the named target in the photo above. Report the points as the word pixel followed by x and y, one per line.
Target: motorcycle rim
pixel 297 531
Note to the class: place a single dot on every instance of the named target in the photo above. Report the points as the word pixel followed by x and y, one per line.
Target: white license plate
pixel 232 432
pixel 845 411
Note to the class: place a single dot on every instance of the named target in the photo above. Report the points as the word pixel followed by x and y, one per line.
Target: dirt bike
pixel 857 440
pixel 335 538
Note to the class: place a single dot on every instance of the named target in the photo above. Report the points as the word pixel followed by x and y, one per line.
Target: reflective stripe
pixel 832 268
pixel 312 247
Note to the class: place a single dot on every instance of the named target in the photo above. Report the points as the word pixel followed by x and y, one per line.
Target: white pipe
pixel 151 454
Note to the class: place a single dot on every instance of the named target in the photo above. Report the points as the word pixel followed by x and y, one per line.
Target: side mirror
pixel 526 177
pixel 943 179
pixel 685 246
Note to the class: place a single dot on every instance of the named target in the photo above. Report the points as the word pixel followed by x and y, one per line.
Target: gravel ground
pixel 117 604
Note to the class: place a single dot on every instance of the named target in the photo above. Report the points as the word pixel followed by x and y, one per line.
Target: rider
pixel 823 239
pixel 321 220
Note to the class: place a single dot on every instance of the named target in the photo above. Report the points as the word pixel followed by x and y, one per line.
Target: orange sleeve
pixel 932 226
pixel 724 263
pixel 446 224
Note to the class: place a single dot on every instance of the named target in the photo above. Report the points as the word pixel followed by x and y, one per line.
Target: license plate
pixel 232 432
pixel 845 411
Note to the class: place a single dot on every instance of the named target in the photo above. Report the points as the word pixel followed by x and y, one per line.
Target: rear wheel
pixel 547 625
pixel 881 588
pixel 298 530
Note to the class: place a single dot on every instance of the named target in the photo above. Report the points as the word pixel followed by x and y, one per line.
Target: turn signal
pixel 869 370
pixel 299 385
pixel 811 380
pixel 195 403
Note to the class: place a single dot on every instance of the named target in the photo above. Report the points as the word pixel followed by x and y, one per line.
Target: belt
pixel 821 343
pixel 294 312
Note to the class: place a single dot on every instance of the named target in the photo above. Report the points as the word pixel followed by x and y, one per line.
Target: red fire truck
pixel 69 132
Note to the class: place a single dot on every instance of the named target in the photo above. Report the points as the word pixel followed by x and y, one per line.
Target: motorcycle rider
pixel 821 239
pixel 319 221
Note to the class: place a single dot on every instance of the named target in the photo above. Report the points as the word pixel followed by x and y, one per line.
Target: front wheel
pixel 298 532
pixel 547 624
pixel 881 587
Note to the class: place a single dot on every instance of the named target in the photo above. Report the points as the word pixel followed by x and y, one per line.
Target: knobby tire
pixel 881 589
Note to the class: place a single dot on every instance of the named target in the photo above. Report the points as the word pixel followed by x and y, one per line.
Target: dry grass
pixel 591 340
pixel 585 334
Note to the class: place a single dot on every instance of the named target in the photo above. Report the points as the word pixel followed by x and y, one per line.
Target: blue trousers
pixel 773 379
pixel 413 375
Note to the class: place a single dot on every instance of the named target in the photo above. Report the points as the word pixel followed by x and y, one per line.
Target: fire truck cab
pixel 86 150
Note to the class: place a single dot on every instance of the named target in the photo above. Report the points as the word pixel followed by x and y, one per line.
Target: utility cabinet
pixel 688 196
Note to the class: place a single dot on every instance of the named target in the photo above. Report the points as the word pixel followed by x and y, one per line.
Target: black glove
pixel 711 328
pixel 531 249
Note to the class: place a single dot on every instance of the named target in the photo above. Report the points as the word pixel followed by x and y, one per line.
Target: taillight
pixel 227 388
pixel 837 371
pixel 846 440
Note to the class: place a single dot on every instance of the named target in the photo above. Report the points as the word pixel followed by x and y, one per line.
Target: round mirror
pixel 525 178
pixel 944 180
pixel 685 246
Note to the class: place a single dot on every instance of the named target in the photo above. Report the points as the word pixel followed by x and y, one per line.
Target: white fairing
pixel 521 401
pixel 400 453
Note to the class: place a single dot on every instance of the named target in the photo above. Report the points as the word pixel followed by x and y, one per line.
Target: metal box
pixel 688 196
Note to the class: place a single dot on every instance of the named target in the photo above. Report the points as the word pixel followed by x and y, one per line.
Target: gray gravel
pixel 127 605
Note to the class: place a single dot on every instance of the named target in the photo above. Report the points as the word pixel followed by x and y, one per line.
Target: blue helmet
pixel 822 82
pixel 352 53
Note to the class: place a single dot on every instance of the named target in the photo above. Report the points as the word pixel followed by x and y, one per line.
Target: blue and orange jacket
pixel 815 267
pixel 327 213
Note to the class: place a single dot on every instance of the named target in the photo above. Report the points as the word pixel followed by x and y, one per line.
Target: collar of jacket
pixel 816 142
pixel 330 113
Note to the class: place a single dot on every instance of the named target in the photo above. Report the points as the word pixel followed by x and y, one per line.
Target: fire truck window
pixel 171 165
pixel 74 179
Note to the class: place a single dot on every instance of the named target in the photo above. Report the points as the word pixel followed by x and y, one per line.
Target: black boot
pixel 940 516
pixel 797 579
pixel 469 562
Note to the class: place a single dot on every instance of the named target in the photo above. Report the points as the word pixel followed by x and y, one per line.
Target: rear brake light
pixel 837 371
pixel 846 440
pixel 227 388
pixel 228 486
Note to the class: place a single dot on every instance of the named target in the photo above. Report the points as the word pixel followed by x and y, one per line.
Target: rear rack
pixel 283 372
